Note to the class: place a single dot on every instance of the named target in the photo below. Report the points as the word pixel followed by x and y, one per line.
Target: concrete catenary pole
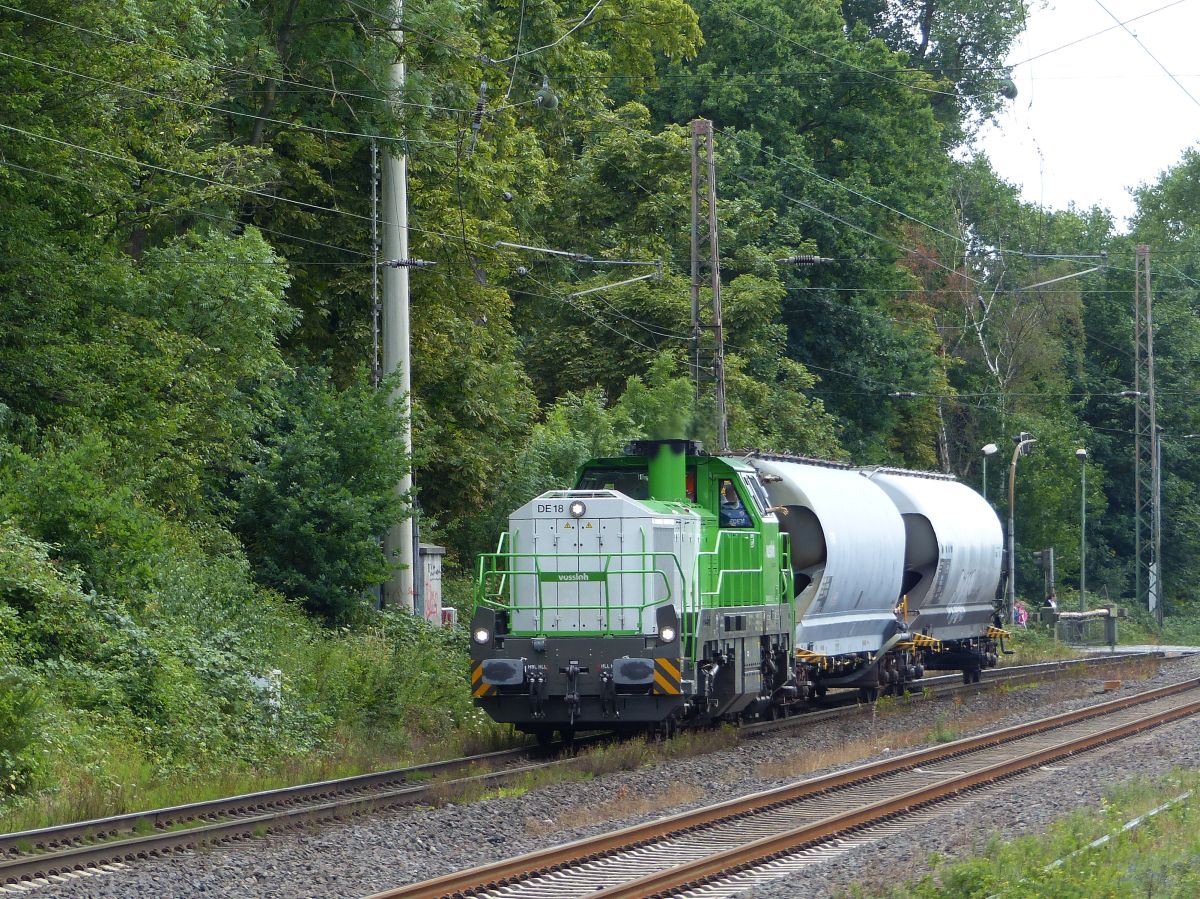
pixel 398 542
pixel 1081 455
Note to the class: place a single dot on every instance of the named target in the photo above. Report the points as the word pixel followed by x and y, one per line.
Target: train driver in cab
pixel 732 513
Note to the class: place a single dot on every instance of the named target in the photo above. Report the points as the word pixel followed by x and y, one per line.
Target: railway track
pixel 36 856
pixel 950 684
pixel 717 850
pixel 30 855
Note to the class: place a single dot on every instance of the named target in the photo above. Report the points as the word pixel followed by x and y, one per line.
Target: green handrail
pixel 740 536
pixel 489 571
pixel 497 569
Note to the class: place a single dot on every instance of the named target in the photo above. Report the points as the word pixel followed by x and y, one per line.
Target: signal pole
pixel 398 542
pixel 702 144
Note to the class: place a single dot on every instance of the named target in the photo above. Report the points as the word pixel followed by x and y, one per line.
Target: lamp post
pixel 1023 442
pixel 1081 455
pixel 988 450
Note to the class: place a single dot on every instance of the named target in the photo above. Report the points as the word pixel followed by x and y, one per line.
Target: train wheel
pixel 868 694
pixel 567 735
pixel 545 736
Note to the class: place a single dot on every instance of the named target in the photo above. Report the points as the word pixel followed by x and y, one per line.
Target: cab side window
pixel 731 512
pixel 633 482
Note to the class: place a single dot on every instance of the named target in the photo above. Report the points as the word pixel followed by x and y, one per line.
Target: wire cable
pixel 554 295
pixel 1148 53
pixel 249 191
pixel 222 110
pixel 1120 24
pixel 555 43
pixel 815 174
pixel 208 215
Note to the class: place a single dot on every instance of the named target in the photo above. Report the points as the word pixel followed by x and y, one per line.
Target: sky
pixel 1095 119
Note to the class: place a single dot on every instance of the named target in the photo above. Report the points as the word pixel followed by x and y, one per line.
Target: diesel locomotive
pixel 673 588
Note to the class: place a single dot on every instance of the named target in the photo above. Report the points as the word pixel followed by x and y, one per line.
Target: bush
pixel 313 507
pixel 20 731
pixel 135 649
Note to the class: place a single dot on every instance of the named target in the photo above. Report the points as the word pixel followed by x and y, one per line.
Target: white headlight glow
pixel 667 634
pixel 482 635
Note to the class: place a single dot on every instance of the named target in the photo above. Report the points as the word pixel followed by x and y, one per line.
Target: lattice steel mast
pixel 1147 496
pixel 704 215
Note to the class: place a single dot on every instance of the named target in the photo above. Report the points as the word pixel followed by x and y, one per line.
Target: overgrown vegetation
pixel 195 466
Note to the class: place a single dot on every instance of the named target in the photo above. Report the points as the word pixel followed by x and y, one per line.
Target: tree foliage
pixel 188 308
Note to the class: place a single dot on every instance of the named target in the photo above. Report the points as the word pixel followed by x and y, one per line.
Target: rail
pixel 671 853
pixel 41 853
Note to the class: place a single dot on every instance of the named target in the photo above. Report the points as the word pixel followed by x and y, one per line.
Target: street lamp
pixel 988 450
pixel 1024 445
pixel 1081 455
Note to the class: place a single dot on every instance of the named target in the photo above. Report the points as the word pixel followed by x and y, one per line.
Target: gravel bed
pixel 373 853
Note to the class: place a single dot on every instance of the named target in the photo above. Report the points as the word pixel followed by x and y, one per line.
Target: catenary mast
pixel 398 542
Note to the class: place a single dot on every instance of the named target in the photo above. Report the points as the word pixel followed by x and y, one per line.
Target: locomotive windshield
pixel 633 482
pixel 758 495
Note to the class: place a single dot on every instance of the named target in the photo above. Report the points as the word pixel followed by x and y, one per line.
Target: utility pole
pixel 398 542
pixel 376 307
pixel 1081 455
pixel 706 171
pixel 1024 445
pixel 1147 497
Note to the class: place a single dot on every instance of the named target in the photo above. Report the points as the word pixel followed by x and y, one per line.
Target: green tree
pixel 311 509
pixel 961 43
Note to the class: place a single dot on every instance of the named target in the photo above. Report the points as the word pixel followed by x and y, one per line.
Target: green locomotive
pixel 672 587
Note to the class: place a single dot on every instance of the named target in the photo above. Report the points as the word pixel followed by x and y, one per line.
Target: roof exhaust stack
pixel 667 466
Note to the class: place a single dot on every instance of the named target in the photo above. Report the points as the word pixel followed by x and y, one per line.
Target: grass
pixel 625 803
pixel 868 746
pixel 942 731
pixel 1007 688
pixel 1157 857
pixel 592 762
pixel 130 782
pixel 1034 644
pixel 947 727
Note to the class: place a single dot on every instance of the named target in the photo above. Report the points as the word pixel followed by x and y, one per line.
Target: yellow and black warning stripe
pixel 924 641
pixel 666 677
pixel 478 688
pixel 995 632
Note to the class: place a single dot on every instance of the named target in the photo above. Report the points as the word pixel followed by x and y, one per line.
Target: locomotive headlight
pixel 666 634
pixel 481 635
pixel 577 509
